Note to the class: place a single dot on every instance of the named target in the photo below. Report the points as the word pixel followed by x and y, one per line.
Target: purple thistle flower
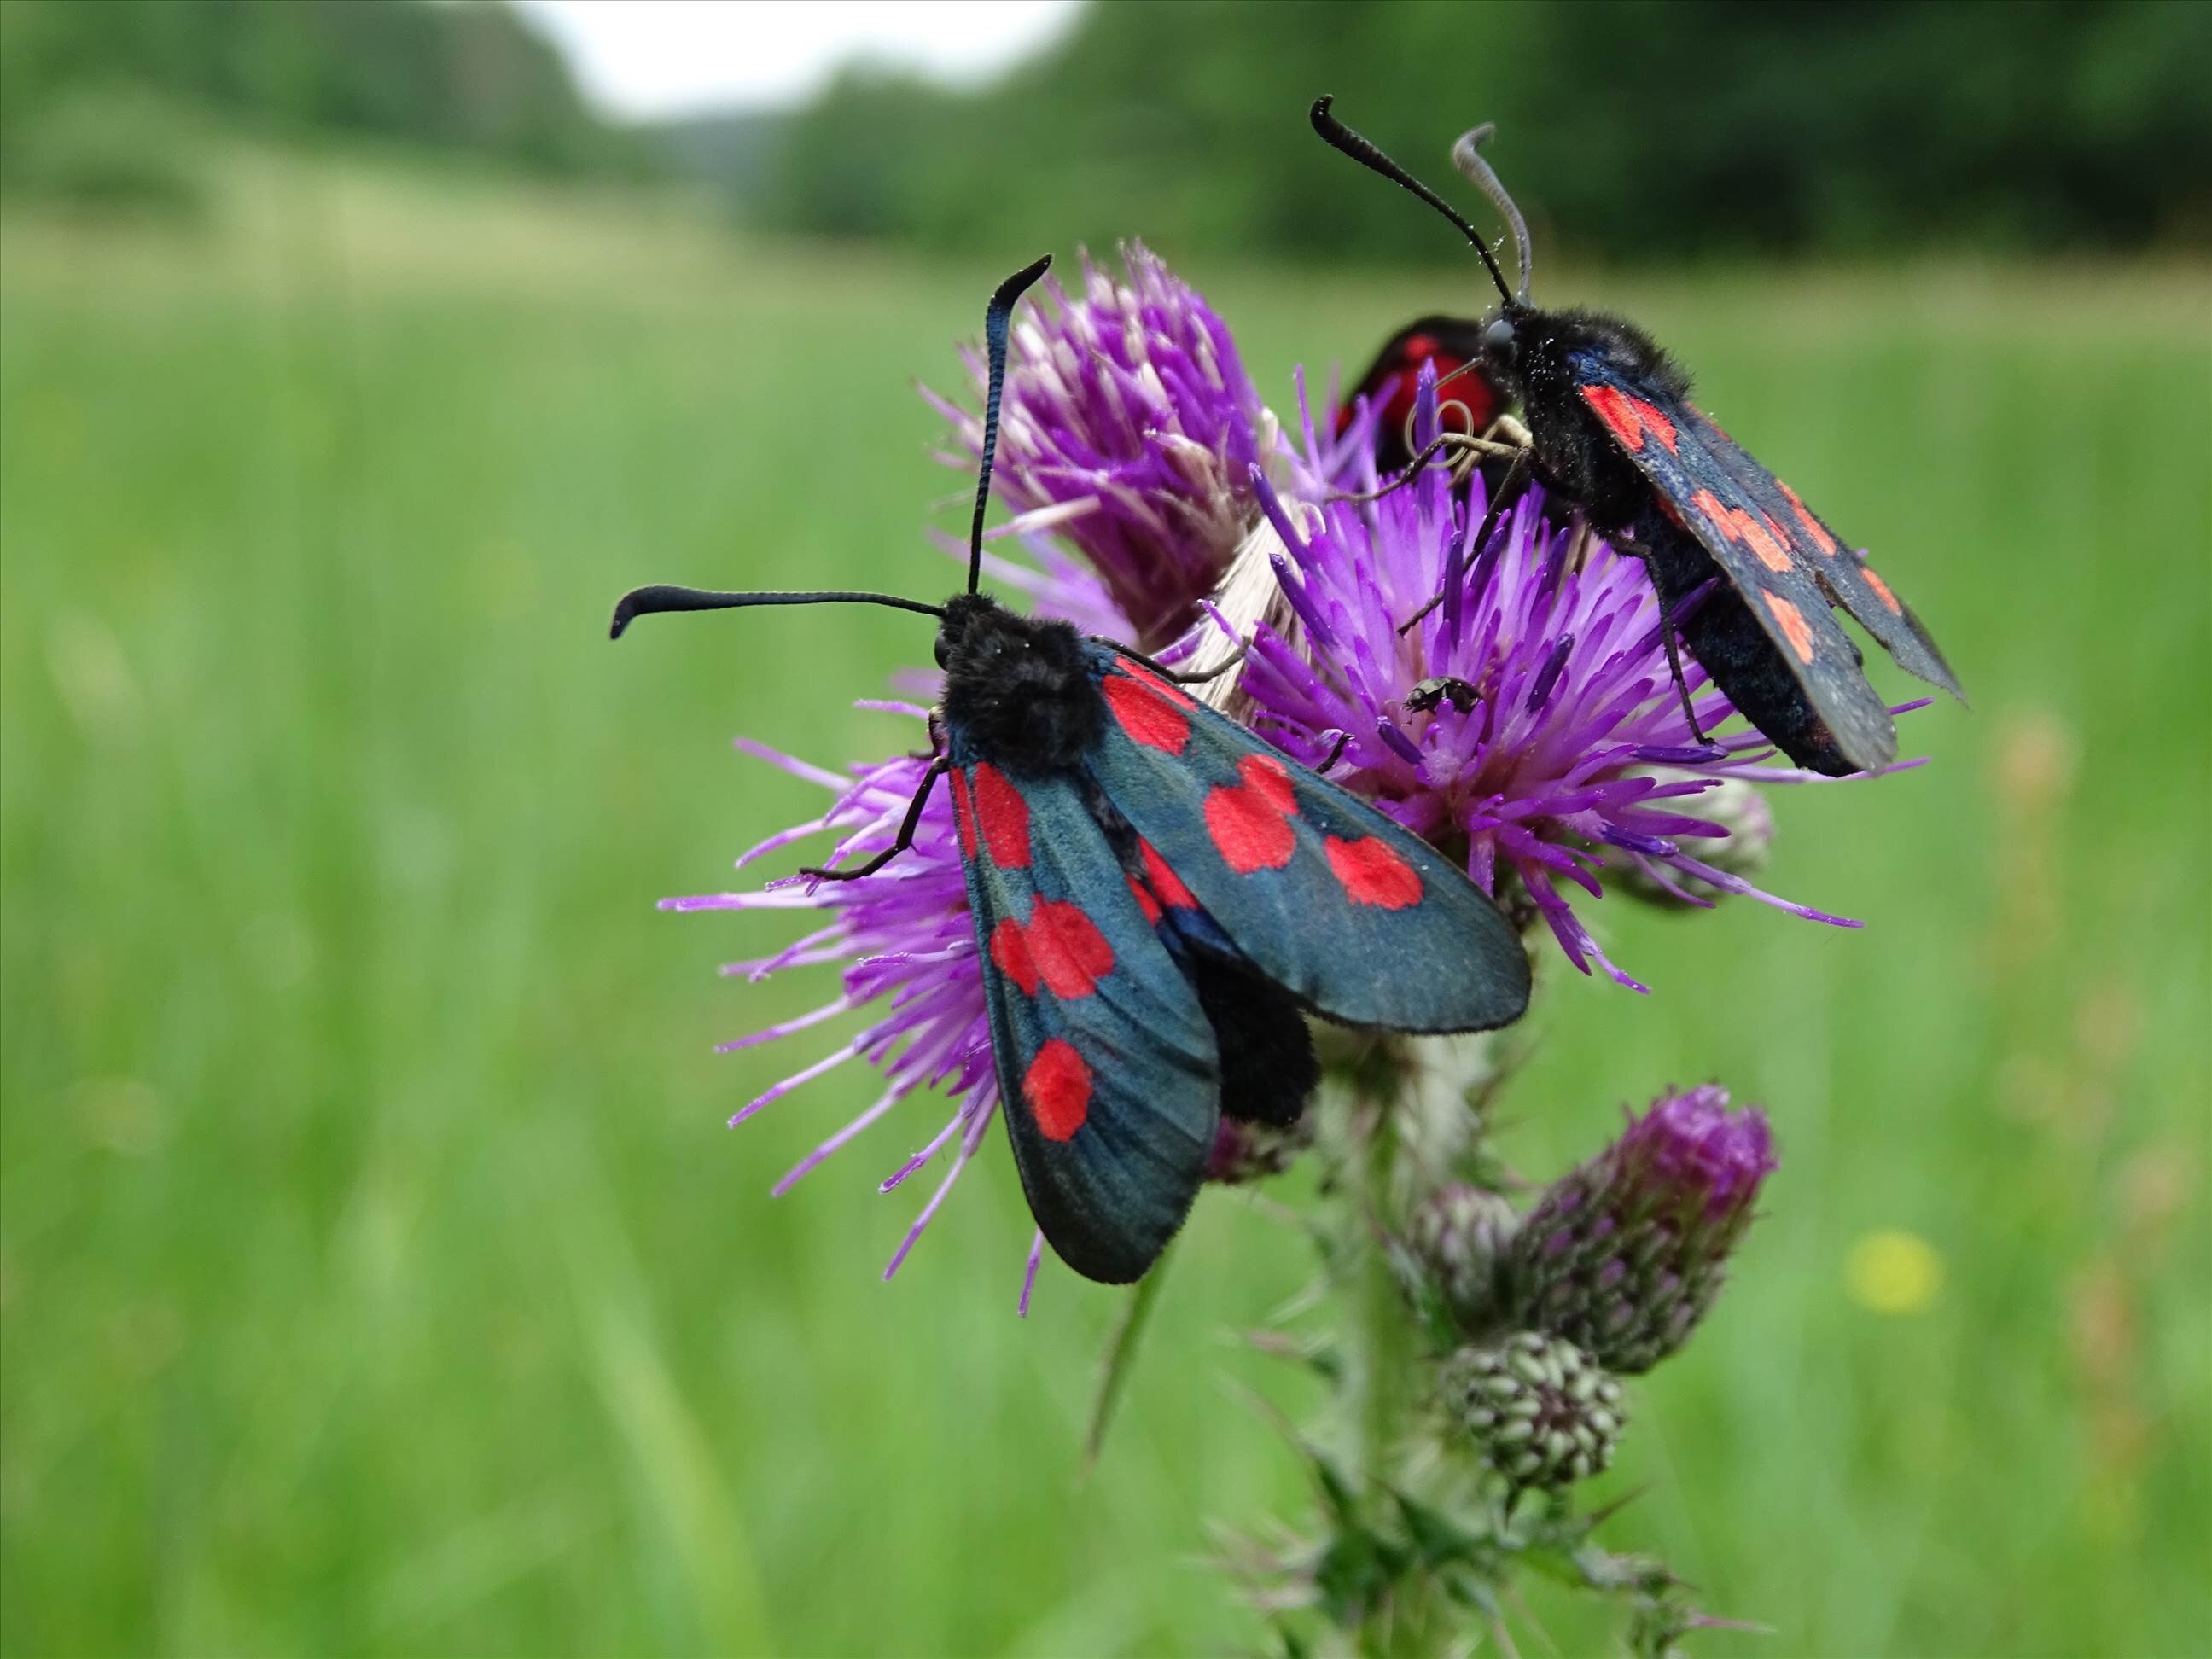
pixel 1572 749
pixel 909 948
pixel 1624 1255
pixel 1132 431
pixel 1129 427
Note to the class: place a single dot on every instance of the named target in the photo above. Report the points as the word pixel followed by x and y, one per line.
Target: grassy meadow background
pixel 376 1274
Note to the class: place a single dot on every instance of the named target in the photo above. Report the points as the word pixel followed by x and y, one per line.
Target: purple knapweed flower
pixel 1129 427
pixel 1624 1255
pixel 1549 738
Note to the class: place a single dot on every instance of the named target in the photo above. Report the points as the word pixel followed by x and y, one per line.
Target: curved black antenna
pixel 995 317
pixel 647 601
pixel 1363 150
pixel 1467 157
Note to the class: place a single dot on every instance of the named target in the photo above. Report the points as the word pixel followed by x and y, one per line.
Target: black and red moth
pixel 1158 898
pixel 1612 430
pixel 1450 345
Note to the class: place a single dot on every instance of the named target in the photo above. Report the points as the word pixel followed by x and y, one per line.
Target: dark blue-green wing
pixel 1109 1079
pixel 1665 441
pixel 1849 580
pixel 1356 918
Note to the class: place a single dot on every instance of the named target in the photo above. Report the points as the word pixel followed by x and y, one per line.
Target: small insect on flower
pixel 1156 897
pixel 1610 428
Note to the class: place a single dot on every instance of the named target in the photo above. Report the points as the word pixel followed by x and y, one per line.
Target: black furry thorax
pixel 1574 455
pixel 1018 689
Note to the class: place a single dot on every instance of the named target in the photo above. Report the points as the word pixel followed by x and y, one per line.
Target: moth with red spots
pixel 1453 347
pixel 1612 430
pixel 1158 898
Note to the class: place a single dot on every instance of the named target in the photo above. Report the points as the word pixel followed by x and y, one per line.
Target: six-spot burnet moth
pixel 1158 898
pixel 1469 400
pixel 1611 430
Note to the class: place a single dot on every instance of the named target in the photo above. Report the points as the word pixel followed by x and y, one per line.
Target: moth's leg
pixel 1335 753
pixel 1414 468
pixel 1644 556
pixel 937 768
pixel 1515 476
pixel 1200 676
pixel 1507 433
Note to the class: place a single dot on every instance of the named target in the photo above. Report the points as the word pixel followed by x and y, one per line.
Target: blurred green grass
pixel 375 1274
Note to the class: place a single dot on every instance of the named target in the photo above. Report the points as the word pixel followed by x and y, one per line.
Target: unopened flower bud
pixel 1544 1412
pixel 1460 1233
pixel 1624 1255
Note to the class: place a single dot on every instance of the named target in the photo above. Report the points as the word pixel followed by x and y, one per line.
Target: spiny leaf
pixel 1317 1353
pixel 1435 1536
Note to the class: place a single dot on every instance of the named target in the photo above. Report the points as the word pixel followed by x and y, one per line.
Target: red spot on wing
pixel 1003 818
pixel 1145 714
pixel 1372 872
pixel 1654 422
pixel 1249 823
pixel 1738 526
pixel 1145 901
pixel 963 813
pixel 1164 882
pixel 1880 589
pixel 1069 950
pixel 1060 948
pixel 1271 779
pixel 1792 625
pixel 1401 373
pixel 1773 553
pixel 1168 689
pixel 1010 951
pixel 1813 528
pixel 1056 1088
pixel 1618 411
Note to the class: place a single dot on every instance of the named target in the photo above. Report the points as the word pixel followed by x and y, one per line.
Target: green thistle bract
pixel 1543 1412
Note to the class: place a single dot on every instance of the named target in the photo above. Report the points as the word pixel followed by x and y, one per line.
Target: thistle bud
pixel 1624 1255
pixel 1544 1412
pixel 1460 1233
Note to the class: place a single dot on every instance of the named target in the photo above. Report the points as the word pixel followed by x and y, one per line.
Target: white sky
pixel 644 59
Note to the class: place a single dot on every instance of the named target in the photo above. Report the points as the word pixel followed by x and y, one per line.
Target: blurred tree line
pixel 1634 127
pixel 102 98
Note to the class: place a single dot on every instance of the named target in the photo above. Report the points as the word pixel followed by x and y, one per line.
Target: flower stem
pixel 1120 1354
pixel 1379 1326
pixel 1383 1354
